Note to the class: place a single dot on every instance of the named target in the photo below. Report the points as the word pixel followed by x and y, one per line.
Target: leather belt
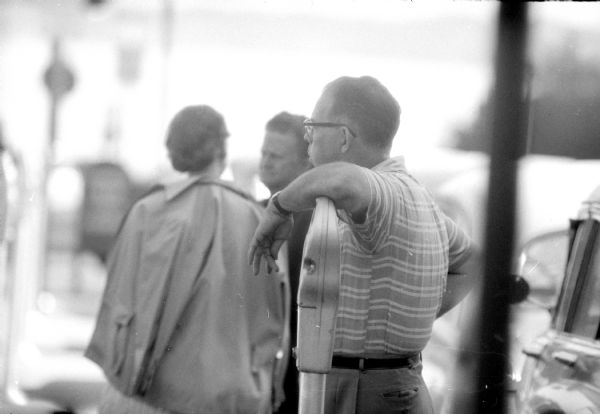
pixel 370 363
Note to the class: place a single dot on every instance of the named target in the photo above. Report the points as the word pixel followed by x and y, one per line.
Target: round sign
pixel 59 79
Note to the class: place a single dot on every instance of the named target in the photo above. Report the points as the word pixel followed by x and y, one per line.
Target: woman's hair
pixel 195 138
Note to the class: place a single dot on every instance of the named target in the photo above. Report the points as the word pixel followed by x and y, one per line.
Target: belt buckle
pixel 361 364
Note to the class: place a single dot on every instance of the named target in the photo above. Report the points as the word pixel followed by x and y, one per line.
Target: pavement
pixel 52 373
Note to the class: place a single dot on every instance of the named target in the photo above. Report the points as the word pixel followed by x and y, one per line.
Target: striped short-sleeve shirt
pixel 394 266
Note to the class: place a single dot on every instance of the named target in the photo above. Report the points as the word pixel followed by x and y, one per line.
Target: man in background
pixel 284 156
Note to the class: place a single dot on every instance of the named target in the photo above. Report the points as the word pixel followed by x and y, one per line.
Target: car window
pixel 578 310
pixel 586 316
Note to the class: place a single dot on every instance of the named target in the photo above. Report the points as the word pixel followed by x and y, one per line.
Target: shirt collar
pixel 395 164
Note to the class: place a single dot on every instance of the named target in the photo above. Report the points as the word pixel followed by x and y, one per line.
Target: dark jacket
pixel 184 324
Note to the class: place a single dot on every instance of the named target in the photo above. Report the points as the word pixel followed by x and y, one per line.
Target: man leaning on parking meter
pixel 397 249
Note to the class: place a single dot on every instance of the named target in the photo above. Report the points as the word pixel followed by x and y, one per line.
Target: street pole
pixel 490 339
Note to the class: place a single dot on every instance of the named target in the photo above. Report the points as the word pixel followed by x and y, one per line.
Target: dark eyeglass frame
pixel 309 126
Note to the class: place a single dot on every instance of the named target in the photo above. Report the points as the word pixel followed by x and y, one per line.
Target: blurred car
pixel 562 369
pixel 549 190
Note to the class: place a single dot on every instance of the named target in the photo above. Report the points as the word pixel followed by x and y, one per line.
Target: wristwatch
pixel 278 206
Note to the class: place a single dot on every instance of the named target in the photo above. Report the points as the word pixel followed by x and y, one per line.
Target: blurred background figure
pixel 284 152
pixel 283 157
pixel 183 325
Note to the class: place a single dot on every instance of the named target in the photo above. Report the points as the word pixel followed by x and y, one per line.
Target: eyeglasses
pixel 310 125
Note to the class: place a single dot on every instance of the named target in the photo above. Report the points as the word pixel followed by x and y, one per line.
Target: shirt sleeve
pixel 460 246
pixel 376 227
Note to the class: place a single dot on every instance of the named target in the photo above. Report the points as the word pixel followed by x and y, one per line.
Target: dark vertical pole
pixel 508 143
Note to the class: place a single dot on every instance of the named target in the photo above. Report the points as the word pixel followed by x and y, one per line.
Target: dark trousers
pixel 382 391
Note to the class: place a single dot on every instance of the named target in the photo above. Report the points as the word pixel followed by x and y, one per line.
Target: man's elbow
pixel 341 182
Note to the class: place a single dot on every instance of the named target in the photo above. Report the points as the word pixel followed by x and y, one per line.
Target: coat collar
pixel 173 189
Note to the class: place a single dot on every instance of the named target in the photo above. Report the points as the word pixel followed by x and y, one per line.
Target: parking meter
pixel 318 293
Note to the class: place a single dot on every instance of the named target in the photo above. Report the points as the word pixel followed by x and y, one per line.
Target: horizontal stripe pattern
pixel 393 266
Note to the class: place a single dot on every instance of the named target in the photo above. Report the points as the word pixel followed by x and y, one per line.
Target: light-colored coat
pixel 184 325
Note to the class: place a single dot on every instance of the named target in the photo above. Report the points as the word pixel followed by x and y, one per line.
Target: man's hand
pixel 272 231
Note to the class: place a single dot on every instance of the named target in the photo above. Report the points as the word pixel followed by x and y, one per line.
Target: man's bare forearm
pixel 343 183
pixel 461 280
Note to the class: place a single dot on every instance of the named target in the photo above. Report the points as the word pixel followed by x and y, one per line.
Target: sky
pixel 249 60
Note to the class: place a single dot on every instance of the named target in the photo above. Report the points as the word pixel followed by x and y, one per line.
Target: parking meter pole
pixel 318 293
pixel 312 393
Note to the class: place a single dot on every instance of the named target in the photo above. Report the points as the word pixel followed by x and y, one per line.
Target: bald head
pixel 367 105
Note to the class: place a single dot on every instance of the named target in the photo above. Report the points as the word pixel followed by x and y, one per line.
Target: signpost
pixel 59 80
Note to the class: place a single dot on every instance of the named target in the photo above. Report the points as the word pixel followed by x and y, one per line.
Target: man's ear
pixel 347 140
